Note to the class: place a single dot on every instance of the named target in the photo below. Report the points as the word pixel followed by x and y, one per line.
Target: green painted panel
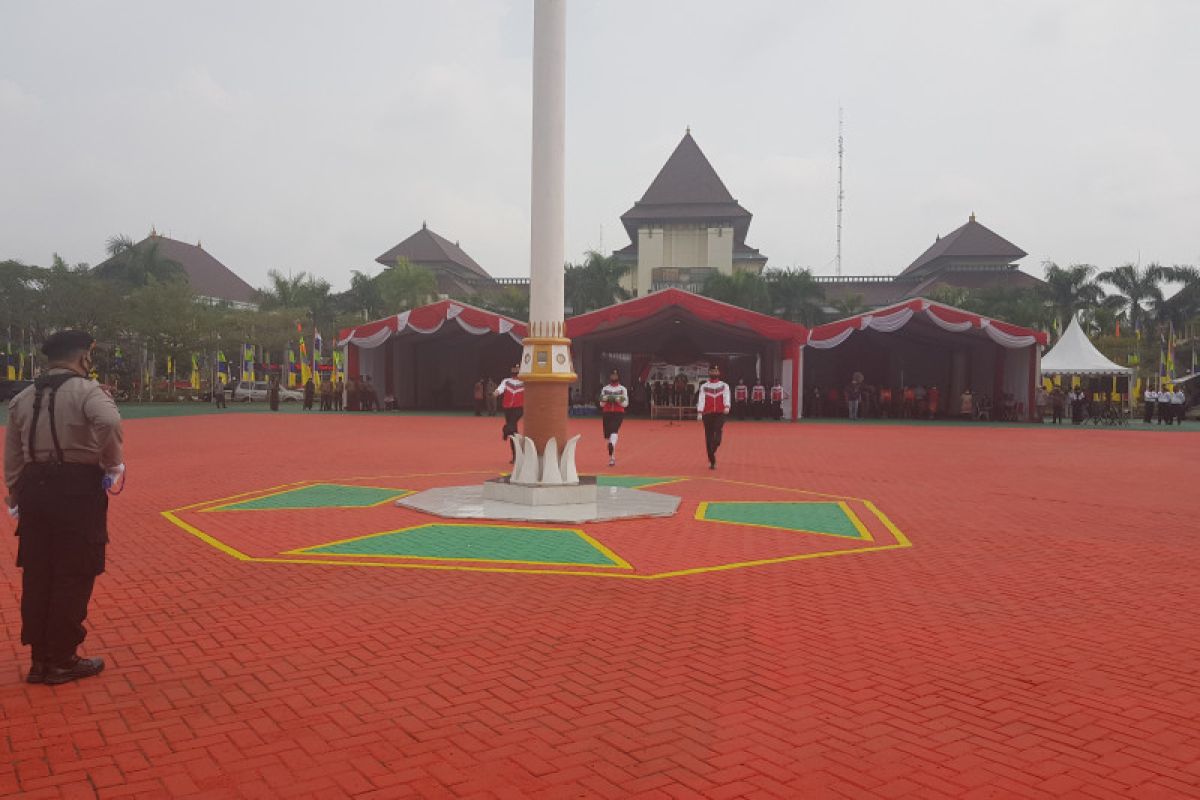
pixel 817 517
pixel 320 495
pixel 481 542
pixel 628 481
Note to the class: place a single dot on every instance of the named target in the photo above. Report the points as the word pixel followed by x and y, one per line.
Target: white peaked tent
pixel 1074 354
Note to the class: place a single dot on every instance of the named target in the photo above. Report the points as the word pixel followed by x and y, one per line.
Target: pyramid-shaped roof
pixel 1074 354
pixel 427 247
pixel 971 241
pixel 207 276
pixel 687 188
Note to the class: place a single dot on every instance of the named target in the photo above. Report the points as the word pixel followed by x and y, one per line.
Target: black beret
pixel 65 343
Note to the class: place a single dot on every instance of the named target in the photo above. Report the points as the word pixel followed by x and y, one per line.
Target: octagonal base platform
pixel 472 502
pixel 502 489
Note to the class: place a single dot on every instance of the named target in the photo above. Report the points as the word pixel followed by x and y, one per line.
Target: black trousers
pixel 511 417
pixel 1148 413
pixel 714 424
pixel 63 535
pixel 612 422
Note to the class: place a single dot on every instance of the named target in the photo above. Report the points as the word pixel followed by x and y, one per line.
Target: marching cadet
pixel 777 397
pixel 614 399
pixel 741 398
pixel 62 452
pixel 758 399
pixel 712 406
pixel 511 392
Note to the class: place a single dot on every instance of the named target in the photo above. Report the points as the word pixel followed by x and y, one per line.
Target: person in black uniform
pixel 62 452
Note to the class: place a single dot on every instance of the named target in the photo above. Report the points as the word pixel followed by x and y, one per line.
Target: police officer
pixel 62 450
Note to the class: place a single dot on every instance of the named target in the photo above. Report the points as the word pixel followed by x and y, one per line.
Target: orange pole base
pixel 546 412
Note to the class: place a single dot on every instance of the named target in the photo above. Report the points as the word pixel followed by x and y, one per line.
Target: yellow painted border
pixel 227 508
pixel 618 562
pixel 864 535
pixel 901 540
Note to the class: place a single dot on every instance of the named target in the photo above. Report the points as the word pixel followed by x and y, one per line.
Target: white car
pixel 257 392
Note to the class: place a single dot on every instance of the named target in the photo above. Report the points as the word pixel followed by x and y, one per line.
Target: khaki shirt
pixel 87 421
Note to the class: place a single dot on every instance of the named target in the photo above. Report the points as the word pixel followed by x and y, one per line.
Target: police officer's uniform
pixel 63 435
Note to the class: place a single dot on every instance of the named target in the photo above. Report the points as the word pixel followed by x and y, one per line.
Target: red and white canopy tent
pixel 920 342
pixel 679 327
pixel 432 355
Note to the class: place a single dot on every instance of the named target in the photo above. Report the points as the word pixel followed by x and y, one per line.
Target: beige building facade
pixel 686 228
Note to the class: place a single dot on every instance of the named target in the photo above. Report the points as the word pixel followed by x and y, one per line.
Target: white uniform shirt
pixel 1177 398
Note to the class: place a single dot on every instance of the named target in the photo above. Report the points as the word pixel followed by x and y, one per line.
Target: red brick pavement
pixel 1038 640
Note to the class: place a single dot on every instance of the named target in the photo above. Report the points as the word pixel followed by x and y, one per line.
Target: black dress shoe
pixel 74 670
pixel 37 672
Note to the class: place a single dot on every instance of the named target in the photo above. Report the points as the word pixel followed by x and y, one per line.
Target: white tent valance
pixel 1074 354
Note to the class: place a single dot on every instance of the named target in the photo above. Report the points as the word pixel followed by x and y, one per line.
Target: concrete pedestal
pixel 500 489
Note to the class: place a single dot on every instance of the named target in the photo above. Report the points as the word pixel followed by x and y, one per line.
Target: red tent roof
pixel 429 319
pixel 701 307
pixel 893 318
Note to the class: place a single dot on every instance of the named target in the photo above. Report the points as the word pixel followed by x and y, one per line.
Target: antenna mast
pixel 840 195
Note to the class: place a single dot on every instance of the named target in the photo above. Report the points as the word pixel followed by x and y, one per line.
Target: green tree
pixel 1069 290
pixel 595 283
pixel 795 295
pixel 132 264
pixel 405 286
pixel 1135 286
pixel 849 305
pixel 363 297
pixel 744 289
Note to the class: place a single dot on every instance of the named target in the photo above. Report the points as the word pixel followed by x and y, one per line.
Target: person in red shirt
pixel 511 392
pixel 712 406
pixel 758 399
pixel 741 398
pixel 935 401
pixel 777 397
pixel 614 399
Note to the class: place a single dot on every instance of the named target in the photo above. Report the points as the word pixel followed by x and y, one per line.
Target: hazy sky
pixel 315 136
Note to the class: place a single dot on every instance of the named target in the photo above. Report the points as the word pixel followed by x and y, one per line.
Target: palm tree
pixel 795 295
pixel 744 289
pixel 1069 290
pixel 137 265
pixel 285 291
pixel 362 298
pixel 405 286
pixel 595 283
pixel 1134 286
pixel 849 306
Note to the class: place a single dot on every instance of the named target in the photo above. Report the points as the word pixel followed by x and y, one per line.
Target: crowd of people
pixel 862 400
pixel 680 394
pixel 1167 406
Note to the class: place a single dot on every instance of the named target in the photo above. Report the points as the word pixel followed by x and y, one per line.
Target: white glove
pixel 14 512
pixel 699 416
pixel 113 475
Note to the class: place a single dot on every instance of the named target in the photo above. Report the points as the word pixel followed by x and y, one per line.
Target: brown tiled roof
pixel 687 188
pixel 874 293
pixel 970 279
pixel 972 241
pixel 426 248
pixel 208 276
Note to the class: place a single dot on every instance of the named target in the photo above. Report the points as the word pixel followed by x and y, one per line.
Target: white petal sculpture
pixel 550 474
pixel 567 463
pixel 518 454
pixel 529 463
